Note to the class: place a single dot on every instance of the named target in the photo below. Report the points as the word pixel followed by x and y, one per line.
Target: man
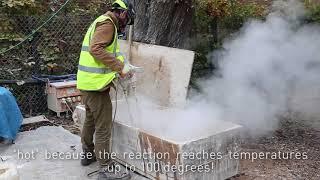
pixel 100 62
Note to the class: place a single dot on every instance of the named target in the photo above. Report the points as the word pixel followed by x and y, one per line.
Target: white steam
pixel 269 68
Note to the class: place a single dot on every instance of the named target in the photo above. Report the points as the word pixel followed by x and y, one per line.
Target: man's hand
pixel 126 71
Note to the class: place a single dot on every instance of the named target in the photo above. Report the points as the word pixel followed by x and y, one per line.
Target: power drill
pixel 129 83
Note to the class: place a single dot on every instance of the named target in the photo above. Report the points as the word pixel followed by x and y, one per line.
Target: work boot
pixel 113 171
pixel 88 157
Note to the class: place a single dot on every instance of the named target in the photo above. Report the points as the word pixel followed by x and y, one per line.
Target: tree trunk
pixel 163 22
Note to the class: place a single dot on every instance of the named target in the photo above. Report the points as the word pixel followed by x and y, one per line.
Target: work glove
pixel 126 71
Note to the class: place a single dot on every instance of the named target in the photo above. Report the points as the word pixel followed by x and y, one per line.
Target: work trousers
pixel 99 121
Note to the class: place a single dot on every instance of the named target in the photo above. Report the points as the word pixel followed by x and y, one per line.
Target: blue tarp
pixel 10 115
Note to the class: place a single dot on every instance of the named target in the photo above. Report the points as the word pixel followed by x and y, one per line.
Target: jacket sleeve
pixel 103 37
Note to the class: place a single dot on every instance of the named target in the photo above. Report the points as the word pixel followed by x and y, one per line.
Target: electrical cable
pixel 114 114
pixel 37 29
pixel 113 119
pixel 127 101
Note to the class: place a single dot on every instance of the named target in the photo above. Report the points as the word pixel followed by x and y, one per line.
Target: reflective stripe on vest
pixel 94 69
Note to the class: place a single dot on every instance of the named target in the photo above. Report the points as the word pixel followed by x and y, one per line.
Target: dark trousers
pixel 99 121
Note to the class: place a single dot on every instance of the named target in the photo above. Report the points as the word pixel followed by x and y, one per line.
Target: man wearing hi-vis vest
pixel 100 62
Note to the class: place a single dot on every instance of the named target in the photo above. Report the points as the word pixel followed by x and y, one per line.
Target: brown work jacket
pixel 103 37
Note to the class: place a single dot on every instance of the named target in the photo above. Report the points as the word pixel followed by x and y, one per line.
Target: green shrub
pixel 313 11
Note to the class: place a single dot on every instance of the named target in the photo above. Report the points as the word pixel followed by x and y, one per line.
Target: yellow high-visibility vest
pixel 92 74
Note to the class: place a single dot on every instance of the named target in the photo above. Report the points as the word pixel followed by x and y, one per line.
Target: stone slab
pixel 39 166
pixel 219 142
pixel 167 72
pixel 35 119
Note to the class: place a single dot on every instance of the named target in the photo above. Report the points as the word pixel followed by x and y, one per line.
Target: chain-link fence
pixel 53 49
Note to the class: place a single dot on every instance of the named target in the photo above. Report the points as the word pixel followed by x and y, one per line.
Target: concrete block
pixel 167 159
pixel 79 115
pixel 131 144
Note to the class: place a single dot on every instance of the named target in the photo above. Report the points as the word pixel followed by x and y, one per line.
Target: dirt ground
pixel 292 136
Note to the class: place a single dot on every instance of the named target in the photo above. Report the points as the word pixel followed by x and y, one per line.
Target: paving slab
pixel 36 119
pixel 47 153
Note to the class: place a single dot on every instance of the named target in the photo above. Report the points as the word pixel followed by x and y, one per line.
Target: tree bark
pixel 163 22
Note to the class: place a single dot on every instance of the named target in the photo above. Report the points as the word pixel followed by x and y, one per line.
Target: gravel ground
pixel 292 136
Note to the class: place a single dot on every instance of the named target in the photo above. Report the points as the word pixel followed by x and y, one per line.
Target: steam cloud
pixel 270 68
